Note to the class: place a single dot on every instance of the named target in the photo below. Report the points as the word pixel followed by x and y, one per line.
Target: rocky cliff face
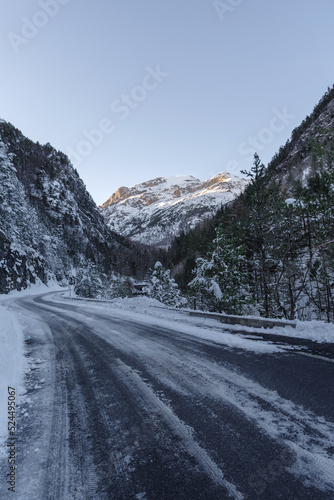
pixel 49 224
pixel 294 160
pixel 18 268
pixel 156 211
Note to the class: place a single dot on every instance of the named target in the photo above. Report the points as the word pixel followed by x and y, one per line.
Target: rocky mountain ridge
pixel 49 224
pixel 294 160
pixel 155 211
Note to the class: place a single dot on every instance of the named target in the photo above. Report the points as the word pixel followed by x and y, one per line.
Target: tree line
pixel 271 251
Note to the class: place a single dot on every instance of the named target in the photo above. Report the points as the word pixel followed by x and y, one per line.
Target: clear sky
pixel 136 89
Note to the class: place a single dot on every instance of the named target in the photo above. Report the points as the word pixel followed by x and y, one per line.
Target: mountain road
pixel 120 406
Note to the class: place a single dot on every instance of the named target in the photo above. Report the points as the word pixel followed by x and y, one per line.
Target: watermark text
pixel 31 27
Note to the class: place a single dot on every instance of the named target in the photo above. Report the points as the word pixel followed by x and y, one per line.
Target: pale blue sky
pixel 230 78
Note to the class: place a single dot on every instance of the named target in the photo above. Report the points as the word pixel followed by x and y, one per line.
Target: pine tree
pixel 88 281
pixel 220 282
pixel 257 227
pixel 163 288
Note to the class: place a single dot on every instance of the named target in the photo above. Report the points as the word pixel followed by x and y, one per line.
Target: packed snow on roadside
pixel 13 363
pixel 318 331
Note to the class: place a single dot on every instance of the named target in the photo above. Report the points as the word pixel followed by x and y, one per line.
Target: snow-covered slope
pixel 294 160
pixel 49 224
pixel 156 211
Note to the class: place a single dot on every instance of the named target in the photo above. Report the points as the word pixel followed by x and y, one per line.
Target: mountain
pixel 270 251
pixel 156 211
pixel 294 160
pixel 49 224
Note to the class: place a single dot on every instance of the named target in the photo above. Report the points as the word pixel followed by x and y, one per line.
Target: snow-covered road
pixel 126 405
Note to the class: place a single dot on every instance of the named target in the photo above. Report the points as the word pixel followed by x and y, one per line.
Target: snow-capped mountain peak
pixel 157 210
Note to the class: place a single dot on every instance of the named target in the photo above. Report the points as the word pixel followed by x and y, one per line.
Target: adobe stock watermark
pixel 121 109
pixel 257 143
pixel 31 27
pixel 225 7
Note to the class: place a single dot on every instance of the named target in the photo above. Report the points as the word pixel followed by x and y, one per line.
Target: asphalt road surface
pixel 122 408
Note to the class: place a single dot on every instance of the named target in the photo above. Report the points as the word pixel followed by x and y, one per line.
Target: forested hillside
pixel 50 225
pixel 272 250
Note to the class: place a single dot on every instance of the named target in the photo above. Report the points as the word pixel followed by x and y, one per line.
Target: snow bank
pixel 35 289
pixel 12 364
pixel 318 331
pixel 137 303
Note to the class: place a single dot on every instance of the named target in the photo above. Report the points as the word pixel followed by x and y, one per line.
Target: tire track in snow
pixel 150 403
pixel 148 399
pixel 69 475
pixel 310 437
